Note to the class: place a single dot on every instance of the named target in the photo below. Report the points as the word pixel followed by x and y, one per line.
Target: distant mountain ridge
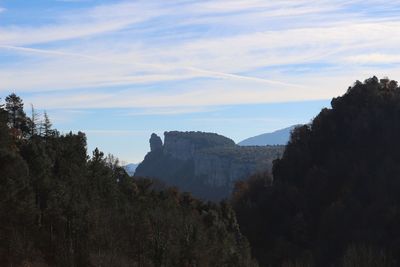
pixel 205 164
pixel 130 168
pixel 279 137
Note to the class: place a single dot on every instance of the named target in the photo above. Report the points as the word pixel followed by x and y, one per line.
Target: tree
pixel 45 128
pixel 4 131
pixel 58 207
pixel 337 184
pixel 17 210
pixel 34 122
pixel 17 119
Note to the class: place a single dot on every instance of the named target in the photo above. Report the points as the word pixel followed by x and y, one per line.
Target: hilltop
pixel 205 164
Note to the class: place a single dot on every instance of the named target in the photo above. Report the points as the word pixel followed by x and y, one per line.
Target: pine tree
pixel 17 119
pixel 47 125
pixel 4 131
pixel 34 122
pixel 17 211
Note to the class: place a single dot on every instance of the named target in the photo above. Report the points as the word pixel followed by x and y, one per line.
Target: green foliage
pixel 363 256
pixel 17 211
pixel 17 119
pixel 5 141
pixel 58 207
pixel 337 184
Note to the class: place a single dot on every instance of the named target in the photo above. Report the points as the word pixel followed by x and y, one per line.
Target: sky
pixel 121 70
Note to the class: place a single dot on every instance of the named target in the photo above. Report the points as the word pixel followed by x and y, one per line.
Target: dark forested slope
pixel 60 207
pixel 335 198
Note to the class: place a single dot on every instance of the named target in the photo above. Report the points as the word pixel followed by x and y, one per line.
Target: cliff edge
pixel 205 164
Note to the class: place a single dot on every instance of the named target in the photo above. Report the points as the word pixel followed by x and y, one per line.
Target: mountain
pixel 279 137
pixel 205 164
pixel 130 168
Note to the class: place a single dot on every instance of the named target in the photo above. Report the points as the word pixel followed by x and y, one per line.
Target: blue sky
pixel 120 70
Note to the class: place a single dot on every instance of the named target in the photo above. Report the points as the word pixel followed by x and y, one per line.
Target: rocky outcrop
pixel 184 145
pixel 155 142
pixel 223 167
pixel 206 164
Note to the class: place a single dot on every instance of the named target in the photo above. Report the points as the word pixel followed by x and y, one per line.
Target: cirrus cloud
pixel 244 51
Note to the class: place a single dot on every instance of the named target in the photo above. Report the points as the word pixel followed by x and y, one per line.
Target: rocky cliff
pixel 206 164
pixel 185 145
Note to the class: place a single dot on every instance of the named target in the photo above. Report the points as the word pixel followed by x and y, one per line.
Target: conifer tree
pixel 46 129
pixel 34 122
pixel 17 119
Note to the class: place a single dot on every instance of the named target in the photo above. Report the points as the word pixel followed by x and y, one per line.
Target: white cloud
pixel 97 76
pixel 73 1
pixel 199 58
pixel 150 45
pixel 191 98
pixel 374 58
pixel 112 132
pixel 275 7
pixel 176 110
pixel 99 20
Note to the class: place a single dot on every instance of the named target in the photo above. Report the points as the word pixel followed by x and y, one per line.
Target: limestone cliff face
pixel 206 164
pixel 178 148
pixel 219 171
pixel 184 145
pixel 225 166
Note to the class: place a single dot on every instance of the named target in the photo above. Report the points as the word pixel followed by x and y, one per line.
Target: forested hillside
pixel 60 207
pixel 332 198
pixel 335 195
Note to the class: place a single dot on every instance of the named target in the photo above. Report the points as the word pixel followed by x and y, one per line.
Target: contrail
pixel 209 73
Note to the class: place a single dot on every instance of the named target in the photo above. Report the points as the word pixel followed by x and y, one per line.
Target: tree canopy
pixel 335 192
pixel 61 207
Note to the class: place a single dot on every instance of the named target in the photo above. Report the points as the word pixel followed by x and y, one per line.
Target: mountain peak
pixel 278 137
